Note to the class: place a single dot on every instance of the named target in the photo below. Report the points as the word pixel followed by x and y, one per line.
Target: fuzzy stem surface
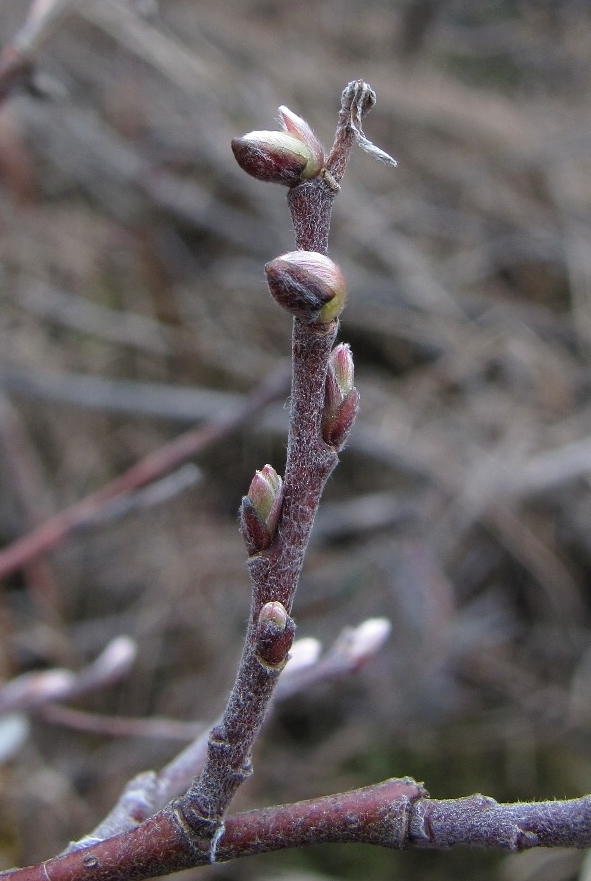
pixel 397 814
pixel 275 571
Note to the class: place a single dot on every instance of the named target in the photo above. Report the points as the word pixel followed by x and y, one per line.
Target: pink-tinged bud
pixel 274 613
pixel 300 129
pixel 336 428
pixel 287 157
pixel 308 284
pixel 265 493
pixel 339 378
pixel 341 401
pixel 277 157
pixel 260 509
pixel 274 635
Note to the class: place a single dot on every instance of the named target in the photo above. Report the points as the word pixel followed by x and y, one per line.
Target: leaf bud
pixel 300 129
pixel 273 613
pixel 274 635
pixel 307 284
pixel 340 376
pixel 341 401
pixel 336 428
pixel 277 157
pixel 260 509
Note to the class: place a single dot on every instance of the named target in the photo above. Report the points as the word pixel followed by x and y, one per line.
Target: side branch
pixel 53 532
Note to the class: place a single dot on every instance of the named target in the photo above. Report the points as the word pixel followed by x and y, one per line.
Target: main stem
pixel 275 572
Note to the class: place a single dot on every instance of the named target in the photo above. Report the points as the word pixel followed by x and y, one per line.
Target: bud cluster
pixel 308 285
pixel 341 401
pixel 285 157
pixel 260 509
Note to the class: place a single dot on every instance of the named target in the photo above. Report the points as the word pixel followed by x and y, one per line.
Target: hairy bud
pixel 341 401
pixel 274 635
pixel 260 509
pixel 283 157
pixel 300 129
pixel 307 284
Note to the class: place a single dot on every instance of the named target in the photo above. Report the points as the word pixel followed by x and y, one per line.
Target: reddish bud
pixel 308 285
pixel 341 401
pixel 342 367
pixel 260 509
pixel 274 635
pixel 276 157
pixel 300 129
pixel 274 613
pixel 336 427
pixel 288 157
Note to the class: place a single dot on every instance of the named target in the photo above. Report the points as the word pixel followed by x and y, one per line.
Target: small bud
pixel 277 157
pixel 308 284
pixel 341 362
pixel 274 635
pixel 274 613
pixel 341 401
pixel 339 378
pixel 336 428
pixel 300 129
pixel 260 509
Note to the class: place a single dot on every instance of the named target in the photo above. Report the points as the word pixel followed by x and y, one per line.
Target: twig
pixel 299 284
pixel 32 690
pixel 119 726
pixel 149 792
pixel 152 399
pixel 396 814
pixel 113 325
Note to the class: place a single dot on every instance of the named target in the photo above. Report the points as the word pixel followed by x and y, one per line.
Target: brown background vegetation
pixel 131 249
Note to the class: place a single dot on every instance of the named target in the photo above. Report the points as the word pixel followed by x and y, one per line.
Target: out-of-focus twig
pixel 119 726
pixel 154 466
pixel 155 493
pixel 16 59
pixel 78 313
pixel 32 690
pixel 157 400
pixel 32 496
pixel 148 792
